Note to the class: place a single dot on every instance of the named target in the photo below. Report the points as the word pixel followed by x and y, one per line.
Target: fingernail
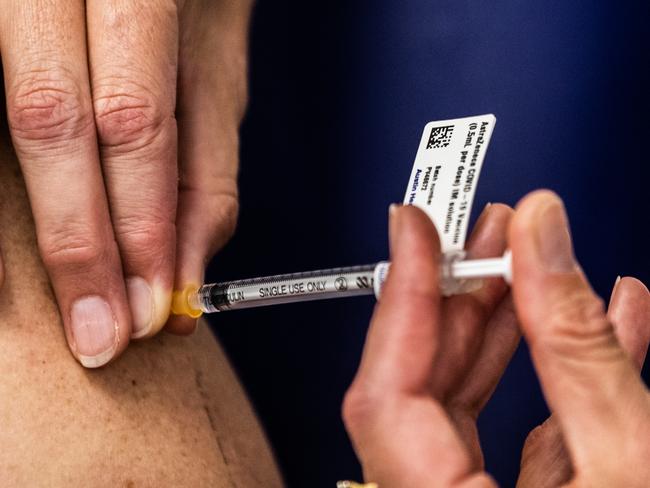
pixel 481 218
pixel 142 306
pixel 553 238
pixel 94 331
pixel 393 224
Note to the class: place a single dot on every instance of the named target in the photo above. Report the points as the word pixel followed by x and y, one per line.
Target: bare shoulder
pixel 169 412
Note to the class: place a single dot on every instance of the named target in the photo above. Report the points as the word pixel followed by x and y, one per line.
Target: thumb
pixel 588 380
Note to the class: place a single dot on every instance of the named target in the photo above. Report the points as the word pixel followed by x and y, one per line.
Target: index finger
pixel 51 122
pixel 403 336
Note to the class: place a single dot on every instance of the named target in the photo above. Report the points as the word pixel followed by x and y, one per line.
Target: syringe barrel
pixel 457 276
pixel 287 288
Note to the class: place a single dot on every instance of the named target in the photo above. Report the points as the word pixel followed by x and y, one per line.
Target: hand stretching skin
pixel 125 117
pixel 410 428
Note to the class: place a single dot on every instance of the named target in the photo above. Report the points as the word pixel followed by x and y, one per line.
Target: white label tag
pixel 446 172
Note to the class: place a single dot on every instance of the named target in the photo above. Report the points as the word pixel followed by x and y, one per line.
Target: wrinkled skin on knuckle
pixel 70 252
pixel 576 326
pixel 47 106
pixel 145 236
pixel 128 116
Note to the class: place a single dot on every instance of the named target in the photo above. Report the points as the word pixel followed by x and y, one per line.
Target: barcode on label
pixel 445 174
pixel 440 137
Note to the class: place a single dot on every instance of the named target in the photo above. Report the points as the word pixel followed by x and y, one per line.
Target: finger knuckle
pixel 219 198
pixel 128 116
pixel 46 107
pixel 223 209
pixel 577 322
pixel 71 251
pixel 144 235
pixel 360 405
pixel 228 215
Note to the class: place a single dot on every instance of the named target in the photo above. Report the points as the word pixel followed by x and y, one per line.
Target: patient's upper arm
pixel 169 412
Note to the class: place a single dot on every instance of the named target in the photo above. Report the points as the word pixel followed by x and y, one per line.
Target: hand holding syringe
pixel 442 183
pixel 457 275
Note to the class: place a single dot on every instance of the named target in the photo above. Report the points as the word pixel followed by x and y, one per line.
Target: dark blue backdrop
pixel 340 91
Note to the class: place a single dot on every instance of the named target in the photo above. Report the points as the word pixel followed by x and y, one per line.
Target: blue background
pixel 340 92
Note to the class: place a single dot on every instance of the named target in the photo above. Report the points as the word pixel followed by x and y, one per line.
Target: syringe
pixel 327 283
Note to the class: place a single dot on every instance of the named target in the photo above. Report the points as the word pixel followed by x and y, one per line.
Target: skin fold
pixel 169 412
